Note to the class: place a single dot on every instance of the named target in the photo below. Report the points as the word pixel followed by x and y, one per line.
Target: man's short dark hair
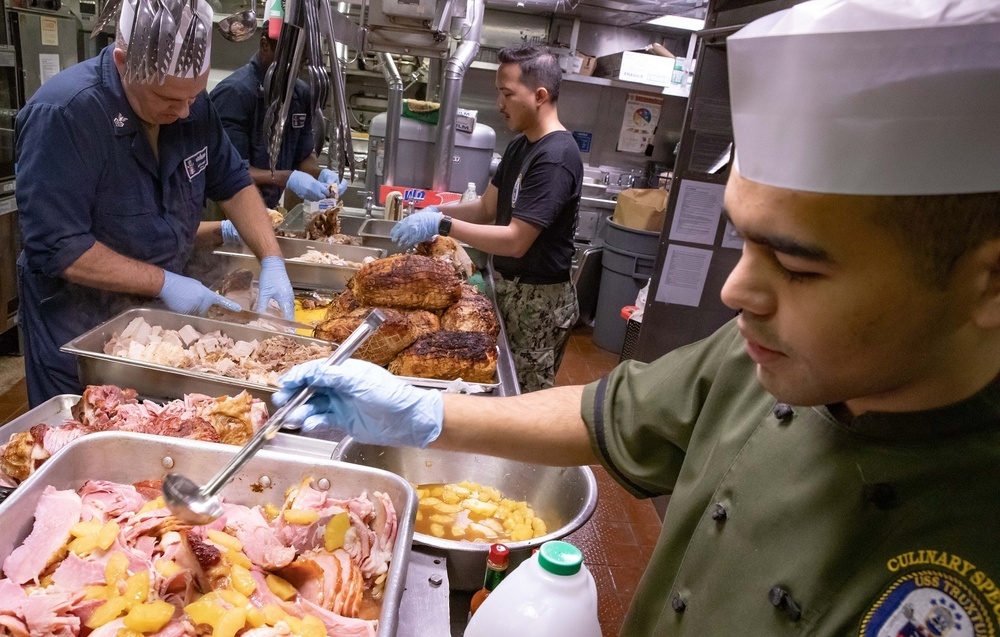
pixel 939 229
pixel 539 68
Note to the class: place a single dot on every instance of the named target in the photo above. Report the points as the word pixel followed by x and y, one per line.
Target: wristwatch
pixel 444 226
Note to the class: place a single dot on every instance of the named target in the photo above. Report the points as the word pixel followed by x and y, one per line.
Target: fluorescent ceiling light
pixel 677 22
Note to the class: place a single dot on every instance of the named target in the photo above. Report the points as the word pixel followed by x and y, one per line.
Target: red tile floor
pixel 617 541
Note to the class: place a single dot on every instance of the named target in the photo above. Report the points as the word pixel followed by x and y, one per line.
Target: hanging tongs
pixel 341 145
pixel 279 82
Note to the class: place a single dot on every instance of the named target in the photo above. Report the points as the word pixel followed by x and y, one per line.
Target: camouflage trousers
pixel 538 320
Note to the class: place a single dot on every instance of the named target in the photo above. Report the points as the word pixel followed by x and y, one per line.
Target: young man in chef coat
pixel 833 454
pixel 526 218
pixel 113 173
pixel 240 101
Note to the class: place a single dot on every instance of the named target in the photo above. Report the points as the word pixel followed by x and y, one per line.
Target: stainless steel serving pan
pixel 130 457
pixel 375 233
pixel 565 497
pixel 308 276
pixel 56 411
pixel 161 382
pixel 350 221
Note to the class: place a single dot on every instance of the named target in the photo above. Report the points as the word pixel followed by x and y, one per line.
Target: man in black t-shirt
pixel 526 218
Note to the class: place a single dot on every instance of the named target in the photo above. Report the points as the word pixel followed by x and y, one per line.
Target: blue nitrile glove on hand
pixel 329 178
pixel 308 187
pixel 364 400
pixel 274 284
pixel 417 228
pixel 229 233
pixel 187 296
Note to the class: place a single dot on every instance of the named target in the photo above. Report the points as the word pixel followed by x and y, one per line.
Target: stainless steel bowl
pixel 565 497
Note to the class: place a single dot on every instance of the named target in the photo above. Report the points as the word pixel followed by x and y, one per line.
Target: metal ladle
pixel 199 504
pixel 240 26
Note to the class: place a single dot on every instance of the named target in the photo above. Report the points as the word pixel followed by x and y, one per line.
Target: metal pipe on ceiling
pixel 451 92
pixel 392 116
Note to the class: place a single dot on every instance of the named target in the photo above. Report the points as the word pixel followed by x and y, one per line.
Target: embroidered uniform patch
pixel 944 595
pixel 517 190
pixel 298 120
pixel 196 163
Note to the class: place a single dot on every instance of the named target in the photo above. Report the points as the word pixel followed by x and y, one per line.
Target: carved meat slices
pixel 448 355
pixel 232 420
pixel 400 329
pixel 407 281
pixel 471 313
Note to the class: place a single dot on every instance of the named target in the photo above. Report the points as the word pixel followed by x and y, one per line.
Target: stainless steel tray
pixel 375 233
pixel 295 221
pixel 309 276
pixel 57 410
pixel 129 457
pixel 160 382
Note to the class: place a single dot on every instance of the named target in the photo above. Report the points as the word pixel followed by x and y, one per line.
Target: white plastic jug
pixel 550 593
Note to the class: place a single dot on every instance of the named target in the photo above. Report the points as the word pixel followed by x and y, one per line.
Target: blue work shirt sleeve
pixel 59 166
pixel 235 108
pixel 228 172
pixel 305 145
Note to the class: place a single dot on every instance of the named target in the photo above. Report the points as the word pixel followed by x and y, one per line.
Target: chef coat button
pixel 882 495
pixel 782 600
pixel 719 513
pixel 678 603
pixel 783 412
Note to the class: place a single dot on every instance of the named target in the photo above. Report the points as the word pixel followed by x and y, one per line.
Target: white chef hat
pixel 876 97
pixel 181 8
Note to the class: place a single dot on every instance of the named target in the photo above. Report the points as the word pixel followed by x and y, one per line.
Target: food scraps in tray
pixel 467 511
pixel 261 362
pixel 231 420
pixel 312 255
pixel 112 559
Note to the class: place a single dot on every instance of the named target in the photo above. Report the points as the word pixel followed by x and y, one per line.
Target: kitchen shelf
pixel 674 91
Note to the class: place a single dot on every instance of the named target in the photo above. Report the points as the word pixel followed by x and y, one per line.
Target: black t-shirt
pixel 539 182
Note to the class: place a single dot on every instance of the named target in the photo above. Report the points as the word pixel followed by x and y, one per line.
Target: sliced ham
pixel 73 573
pixel 103 500
pixel 49 613
pixel 260 543
pixel 56 512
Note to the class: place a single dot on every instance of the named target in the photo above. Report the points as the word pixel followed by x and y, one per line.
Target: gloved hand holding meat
pixel 366 401
pixel 417 228
pixel 187 296
pixel 308 187
pixel 274 284
pixel 331 178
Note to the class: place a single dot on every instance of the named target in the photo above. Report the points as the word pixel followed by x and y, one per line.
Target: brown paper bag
pixel 641 209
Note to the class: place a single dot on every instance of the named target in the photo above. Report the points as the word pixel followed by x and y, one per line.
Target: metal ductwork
pixel 451 92
pixel 392 116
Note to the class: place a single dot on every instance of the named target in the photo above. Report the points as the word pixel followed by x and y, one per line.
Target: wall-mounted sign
pixel 583 139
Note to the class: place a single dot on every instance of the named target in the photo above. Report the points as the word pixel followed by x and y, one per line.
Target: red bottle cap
pixel 499 554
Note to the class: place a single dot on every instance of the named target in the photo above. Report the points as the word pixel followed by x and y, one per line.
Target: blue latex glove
pixel 187 296
pixel 274 284
pixel 329 178
pixel 229 233
pixel 364 400
pixel 308 187
pixel 417 228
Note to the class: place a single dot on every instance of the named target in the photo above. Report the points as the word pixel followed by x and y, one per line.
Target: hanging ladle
pixel 240 26
pixel 199 504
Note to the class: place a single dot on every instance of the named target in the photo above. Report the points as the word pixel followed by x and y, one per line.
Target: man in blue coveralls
pixel 239 99
pixel 113 173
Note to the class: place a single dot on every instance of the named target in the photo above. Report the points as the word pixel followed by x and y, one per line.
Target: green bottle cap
pixel 560 558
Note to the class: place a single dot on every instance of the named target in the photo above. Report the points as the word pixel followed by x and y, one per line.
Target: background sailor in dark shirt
pixel 239 98
pixel 526 217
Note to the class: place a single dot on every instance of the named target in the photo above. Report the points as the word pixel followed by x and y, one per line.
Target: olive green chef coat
pixel 785 521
